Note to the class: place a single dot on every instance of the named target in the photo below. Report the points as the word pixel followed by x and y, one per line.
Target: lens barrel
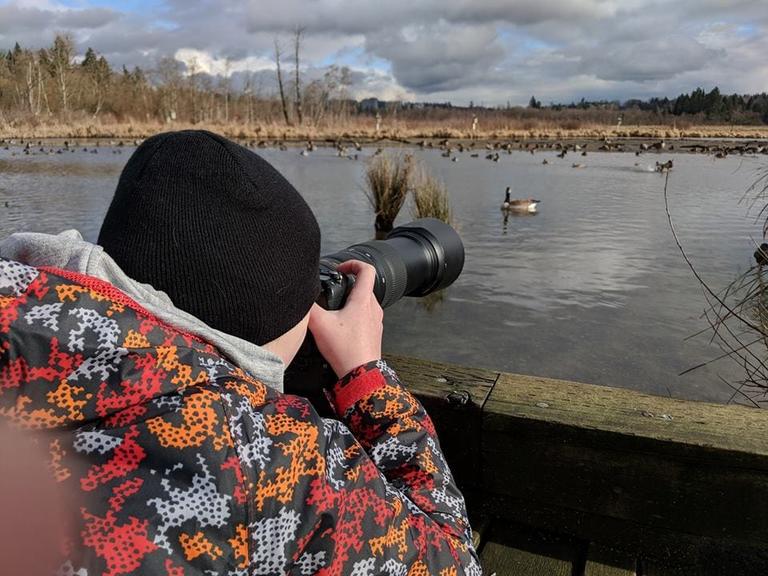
pixel 416 259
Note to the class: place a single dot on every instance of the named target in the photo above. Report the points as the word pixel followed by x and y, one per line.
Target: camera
pixel 415 259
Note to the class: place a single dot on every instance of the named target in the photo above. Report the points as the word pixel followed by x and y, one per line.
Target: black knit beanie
pixel 218 229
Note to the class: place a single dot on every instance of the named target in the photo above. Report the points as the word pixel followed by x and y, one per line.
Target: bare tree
pixel 32 65
pixel 283 100
pixel 170 78
pixel 193 72
pixel 297 43
pixel 226 85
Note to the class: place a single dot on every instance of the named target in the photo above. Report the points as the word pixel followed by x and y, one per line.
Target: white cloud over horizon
pixel 486 51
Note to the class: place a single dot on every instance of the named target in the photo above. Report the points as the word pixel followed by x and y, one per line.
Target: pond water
pixel 591 288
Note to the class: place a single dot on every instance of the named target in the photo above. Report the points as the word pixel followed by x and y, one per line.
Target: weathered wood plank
pixel 706 565
pixel 735 429
pixel 604 561
pixel 689 467
pixel 658 547
pixel 451 383
pixel 502 560
pixel 519 550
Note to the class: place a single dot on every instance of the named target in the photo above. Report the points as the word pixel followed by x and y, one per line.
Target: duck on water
pixel 522 205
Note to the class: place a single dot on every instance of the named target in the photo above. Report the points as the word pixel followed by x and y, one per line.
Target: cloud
pixel 647 59
pixel 202 62
pixel 489 51
pixel 439 57
pixel 18 19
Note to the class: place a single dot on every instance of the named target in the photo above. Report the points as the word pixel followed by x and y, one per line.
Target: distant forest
pixel 712 106
pixel 57 84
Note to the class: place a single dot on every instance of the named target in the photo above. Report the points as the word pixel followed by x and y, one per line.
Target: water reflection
pixel 515 214
pixel 591 288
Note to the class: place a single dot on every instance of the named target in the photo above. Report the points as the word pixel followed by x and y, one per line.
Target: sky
pixel 489 52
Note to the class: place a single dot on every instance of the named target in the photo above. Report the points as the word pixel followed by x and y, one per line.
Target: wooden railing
pixel 659 478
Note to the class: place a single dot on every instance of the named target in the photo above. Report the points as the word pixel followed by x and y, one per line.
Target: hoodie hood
pixel 68 251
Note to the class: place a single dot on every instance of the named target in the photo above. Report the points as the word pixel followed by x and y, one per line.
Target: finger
pixel 353 266
pixel 365 279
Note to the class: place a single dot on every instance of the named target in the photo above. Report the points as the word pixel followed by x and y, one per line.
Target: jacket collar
pixel 69 251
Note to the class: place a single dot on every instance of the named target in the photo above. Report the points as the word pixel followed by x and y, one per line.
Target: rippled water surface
pixel 591 288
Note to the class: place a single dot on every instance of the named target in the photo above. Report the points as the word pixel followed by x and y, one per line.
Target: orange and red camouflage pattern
pixel 180 463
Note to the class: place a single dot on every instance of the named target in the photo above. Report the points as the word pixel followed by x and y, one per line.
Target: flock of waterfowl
pixel 40 147
pixel 492 150
pixel 451 150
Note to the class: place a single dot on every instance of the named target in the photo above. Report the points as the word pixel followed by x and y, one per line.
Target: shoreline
pixel 722 140
pixel 719 147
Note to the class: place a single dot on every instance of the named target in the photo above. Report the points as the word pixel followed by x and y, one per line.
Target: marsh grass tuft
pixel 430 200
pixel 388 180
pixel 430 197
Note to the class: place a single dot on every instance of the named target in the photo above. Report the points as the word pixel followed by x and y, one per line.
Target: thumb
pixel 319 317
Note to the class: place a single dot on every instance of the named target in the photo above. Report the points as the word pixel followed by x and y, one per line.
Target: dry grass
pixel 430 197
pixel 364 128
pixel 388 179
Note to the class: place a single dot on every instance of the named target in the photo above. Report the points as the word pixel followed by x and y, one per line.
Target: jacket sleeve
pixel 399 437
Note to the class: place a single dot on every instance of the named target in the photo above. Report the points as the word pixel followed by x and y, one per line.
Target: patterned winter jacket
pixel 183 463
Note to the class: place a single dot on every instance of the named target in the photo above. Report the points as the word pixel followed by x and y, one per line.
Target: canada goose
pixel 526 205
pixel 663 167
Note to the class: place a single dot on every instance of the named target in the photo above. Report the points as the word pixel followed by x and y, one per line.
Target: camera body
pixel 334 287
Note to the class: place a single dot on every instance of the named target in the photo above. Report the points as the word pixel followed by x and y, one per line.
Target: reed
pixel 738 314
pixel 430 197
pixel 388 180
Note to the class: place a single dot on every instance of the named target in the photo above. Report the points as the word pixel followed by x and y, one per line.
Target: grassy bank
pixel 364 129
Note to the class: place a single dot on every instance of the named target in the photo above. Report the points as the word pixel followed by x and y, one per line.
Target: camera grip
pixel 309 375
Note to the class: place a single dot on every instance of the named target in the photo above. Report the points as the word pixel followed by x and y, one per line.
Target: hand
pixel 350 337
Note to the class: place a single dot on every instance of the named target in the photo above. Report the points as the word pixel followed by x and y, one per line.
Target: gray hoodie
pixel 69 251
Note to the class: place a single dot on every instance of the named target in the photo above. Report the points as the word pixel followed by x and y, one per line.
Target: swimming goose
pixel 527 204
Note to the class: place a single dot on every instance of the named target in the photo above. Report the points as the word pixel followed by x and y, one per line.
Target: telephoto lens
pixel 416 259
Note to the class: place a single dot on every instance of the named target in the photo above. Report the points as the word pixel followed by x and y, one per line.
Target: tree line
pixel 709 106
pixel 55 83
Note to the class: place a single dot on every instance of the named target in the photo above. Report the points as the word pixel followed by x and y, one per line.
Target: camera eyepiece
pixel 416 259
